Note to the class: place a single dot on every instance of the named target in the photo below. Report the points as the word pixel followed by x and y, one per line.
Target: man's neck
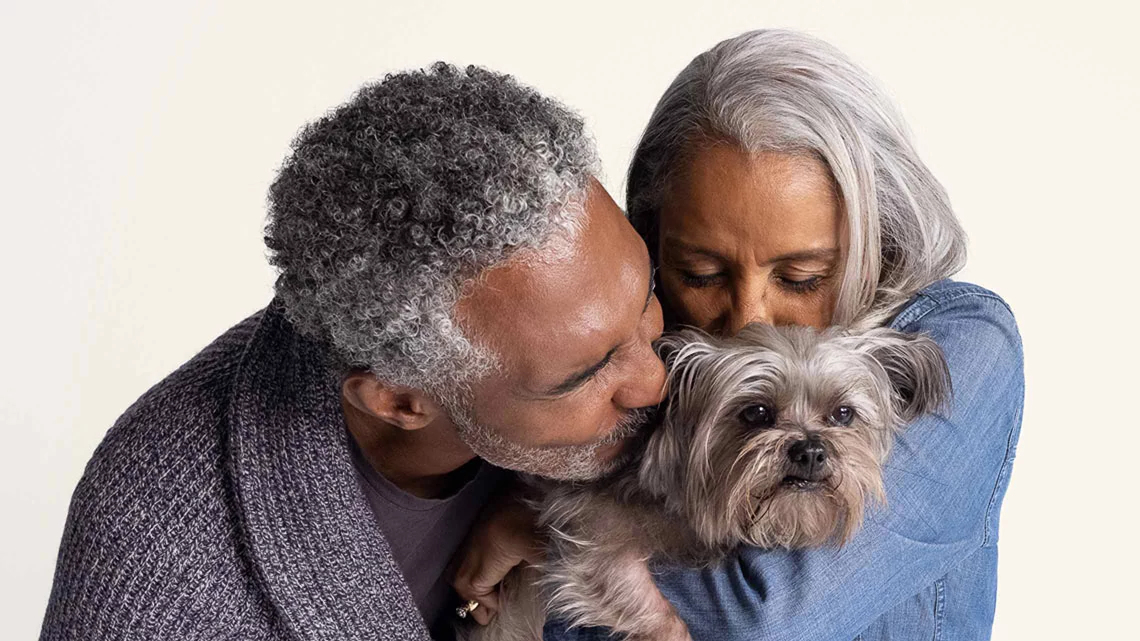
pixel 424 462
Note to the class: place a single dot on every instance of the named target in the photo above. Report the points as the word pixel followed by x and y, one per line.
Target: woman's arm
pixel 945 480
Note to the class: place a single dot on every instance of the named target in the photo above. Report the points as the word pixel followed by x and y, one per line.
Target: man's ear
pixel 408 408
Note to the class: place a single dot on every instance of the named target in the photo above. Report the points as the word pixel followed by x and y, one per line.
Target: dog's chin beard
pixel 794 512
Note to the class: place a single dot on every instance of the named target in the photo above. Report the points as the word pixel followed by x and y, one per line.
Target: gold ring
pixel 463 610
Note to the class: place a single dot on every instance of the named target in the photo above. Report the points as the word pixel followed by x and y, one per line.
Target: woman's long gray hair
pixel 782 91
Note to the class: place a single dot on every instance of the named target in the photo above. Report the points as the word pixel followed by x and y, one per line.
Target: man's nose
pixel 647 386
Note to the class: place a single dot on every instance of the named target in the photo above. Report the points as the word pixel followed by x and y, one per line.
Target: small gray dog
pixel 773 438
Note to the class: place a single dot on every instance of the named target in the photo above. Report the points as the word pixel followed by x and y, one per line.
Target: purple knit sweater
pixel 223 505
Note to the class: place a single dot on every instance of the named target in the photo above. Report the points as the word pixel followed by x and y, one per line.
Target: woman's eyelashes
pixel 800 285
pixel 700 281
pixel 791 284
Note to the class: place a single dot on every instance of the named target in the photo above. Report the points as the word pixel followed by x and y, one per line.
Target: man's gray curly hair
pixel 394 201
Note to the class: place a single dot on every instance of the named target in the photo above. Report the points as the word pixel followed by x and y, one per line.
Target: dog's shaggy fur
pixel 774 438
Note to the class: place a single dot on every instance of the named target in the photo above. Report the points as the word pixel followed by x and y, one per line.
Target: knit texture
pixel 223 505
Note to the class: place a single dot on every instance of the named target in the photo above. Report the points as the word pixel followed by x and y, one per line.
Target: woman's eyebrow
pixel 821 253
pixel 676 243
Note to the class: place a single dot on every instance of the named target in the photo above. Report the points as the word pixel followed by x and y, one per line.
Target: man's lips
pixel 636 425
pixel 612 449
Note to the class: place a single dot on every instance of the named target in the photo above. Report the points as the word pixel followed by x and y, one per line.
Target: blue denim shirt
pixel 925 565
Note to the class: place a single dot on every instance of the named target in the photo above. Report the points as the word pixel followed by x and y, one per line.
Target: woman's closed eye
pixel 800 285
pixel 794 285
pixel 700 281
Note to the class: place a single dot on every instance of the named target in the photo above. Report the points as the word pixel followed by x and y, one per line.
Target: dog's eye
pixel 843 415
pixel 758 416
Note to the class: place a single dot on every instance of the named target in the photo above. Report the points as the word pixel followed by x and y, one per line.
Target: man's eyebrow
pixel 822 253
pixel 652 285
pixel 576 379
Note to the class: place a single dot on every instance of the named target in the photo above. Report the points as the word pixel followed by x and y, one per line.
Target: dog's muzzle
pixel 807 463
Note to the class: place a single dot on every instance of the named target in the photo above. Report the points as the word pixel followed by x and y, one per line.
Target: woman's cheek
pixel 699 307
pixel 812 310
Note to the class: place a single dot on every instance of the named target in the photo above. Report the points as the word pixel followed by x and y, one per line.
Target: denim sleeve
pixel 945 480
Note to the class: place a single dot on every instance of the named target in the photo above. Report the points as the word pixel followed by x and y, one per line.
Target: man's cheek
pixel 533 429
pixel 568 427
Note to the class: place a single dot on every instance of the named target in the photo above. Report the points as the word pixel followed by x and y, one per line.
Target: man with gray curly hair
pixel 409 228
pixel 457 295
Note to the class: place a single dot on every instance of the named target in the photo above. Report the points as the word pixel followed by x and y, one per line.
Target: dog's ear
pixel 659 472
pixel 671 343
pixel 916 368
pixel 668 447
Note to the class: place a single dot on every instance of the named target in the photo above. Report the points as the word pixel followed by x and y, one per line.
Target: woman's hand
pixel 505 537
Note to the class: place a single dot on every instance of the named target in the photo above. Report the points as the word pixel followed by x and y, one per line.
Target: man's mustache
pixel 630 424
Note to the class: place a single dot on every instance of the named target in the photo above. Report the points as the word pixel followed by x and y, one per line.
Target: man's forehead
pixel 547 316
pixel 536 307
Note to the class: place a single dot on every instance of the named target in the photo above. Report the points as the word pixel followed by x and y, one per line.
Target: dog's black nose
pixel 809 459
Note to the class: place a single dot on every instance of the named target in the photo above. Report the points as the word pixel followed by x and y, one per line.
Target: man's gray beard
pixel 560 463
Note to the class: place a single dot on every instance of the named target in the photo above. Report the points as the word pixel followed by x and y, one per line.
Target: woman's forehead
pixel 777 202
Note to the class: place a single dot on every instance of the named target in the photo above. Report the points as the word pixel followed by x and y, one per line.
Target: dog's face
pixel 777 437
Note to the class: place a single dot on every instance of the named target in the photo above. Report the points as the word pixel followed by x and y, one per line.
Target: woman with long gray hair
pixel 776 183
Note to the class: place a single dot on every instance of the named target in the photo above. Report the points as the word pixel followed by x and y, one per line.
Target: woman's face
pixel 751 238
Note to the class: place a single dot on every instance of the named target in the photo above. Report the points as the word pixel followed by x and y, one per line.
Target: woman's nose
pixel 748 306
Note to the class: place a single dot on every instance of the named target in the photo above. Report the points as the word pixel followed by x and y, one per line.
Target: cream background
pixel 139 139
